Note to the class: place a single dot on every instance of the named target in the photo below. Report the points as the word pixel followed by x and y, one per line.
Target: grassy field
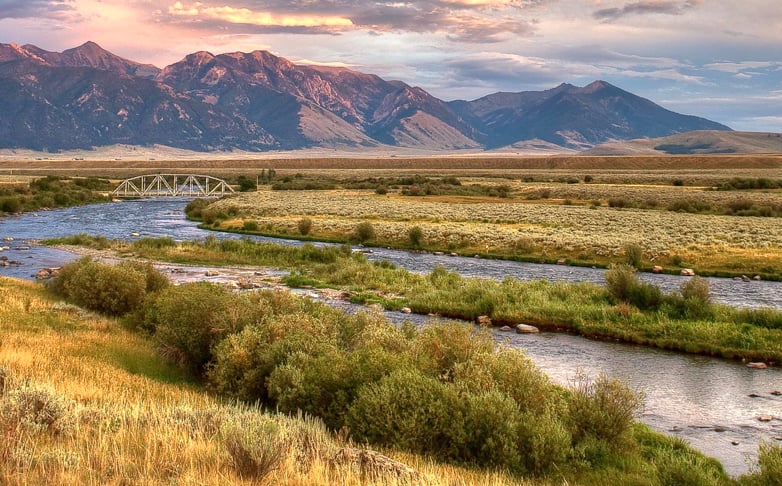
pixel 586 233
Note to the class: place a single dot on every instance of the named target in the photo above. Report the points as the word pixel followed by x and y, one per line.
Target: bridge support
pixel 172 185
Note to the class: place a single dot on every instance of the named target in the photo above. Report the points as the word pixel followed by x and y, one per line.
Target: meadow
pixel 575 222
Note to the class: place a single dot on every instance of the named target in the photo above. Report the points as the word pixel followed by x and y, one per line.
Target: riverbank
pixel 585 309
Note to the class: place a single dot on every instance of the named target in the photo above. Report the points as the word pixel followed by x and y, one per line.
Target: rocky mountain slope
pixel 87 97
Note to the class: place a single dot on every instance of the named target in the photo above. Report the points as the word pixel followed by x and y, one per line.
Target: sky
pixel 719 59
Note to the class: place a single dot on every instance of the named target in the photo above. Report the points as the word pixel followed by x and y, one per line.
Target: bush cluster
pixel 443 390
pixel 52 192
pixel 110 289
pixel 692 302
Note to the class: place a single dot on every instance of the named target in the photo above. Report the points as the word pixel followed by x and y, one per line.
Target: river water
pixel 704 400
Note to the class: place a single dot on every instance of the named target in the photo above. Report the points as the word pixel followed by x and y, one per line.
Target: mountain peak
pixel 260 101
pixel 596 86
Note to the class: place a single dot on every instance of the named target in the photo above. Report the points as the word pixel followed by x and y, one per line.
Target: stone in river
pixel 757 366
pixel 526 329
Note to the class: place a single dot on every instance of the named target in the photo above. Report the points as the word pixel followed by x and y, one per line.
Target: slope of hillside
pixel 695 142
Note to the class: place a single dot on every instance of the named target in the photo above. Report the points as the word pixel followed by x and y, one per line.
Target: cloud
pixel 738 67
pixel 645 7
pixel 241 15
pixel 669 74
pixel 25 9
pixel 471 21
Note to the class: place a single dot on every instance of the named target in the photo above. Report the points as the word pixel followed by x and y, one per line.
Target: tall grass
pixel 73 410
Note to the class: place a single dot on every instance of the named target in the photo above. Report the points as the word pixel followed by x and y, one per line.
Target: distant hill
pixel 695 142
pixel 87 97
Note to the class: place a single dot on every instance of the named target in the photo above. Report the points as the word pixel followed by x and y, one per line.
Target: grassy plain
pixel 574 222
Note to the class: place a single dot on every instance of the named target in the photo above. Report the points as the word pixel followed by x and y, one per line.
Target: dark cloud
pixel 665 7
pixel 22 9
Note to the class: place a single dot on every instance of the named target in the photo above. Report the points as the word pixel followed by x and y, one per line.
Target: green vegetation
pixel 626 309
pixel 443 391
pixel 52 192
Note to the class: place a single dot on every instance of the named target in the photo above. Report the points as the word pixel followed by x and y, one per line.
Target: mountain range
pixel 87 97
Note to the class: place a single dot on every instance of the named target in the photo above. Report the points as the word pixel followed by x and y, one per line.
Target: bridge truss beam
pixel 172 185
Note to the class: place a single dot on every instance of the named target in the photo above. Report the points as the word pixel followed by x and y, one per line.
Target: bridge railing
pixel 172 185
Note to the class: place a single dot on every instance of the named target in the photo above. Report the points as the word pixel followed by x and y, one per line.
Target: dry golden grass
pixel 83 401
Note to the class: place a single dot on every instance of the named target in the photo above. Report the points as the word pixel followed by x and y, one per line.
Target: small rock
pixel 687 272
pixel 735 442
pixel 22 248
pixel 484 321
pixel 657 269
pixel 526 329
pixel 754 395
pixel 506 329
pixel 744 278
pixel 43 274
pixel 439 253
pixel 9 238
pixel 212 273
pixel 765 418
pixel 757 366
pixel 757 278
pixel 776 393
pixel 135 234
pixel 406 310
pixel 453 254
pixel 778 438
pixel 561 261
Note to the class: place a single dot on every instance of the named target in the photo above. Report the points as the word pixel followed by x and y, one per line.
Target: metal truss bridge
pixel 172 185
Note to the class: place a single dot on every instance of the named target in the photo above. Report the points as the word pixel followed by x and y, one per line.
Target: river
pixel 704 400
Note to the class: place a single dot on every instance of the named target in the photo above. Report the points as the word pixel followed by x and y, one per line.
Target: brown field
pixel 615 168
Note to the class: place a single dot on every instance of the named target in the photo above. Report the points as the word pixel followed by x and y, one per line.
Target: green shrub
pixel 623 286
pixel 416 236
pixel 195 208
pixel 439 348
pixel 364 232
pixel 544 442
pixel 620 280
pixel 603 408
pixel 320 385
pixel 110 289
pixel 250 226
pixel 189 319
pixel 305 226
pixel 634 254
pixel 410 411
